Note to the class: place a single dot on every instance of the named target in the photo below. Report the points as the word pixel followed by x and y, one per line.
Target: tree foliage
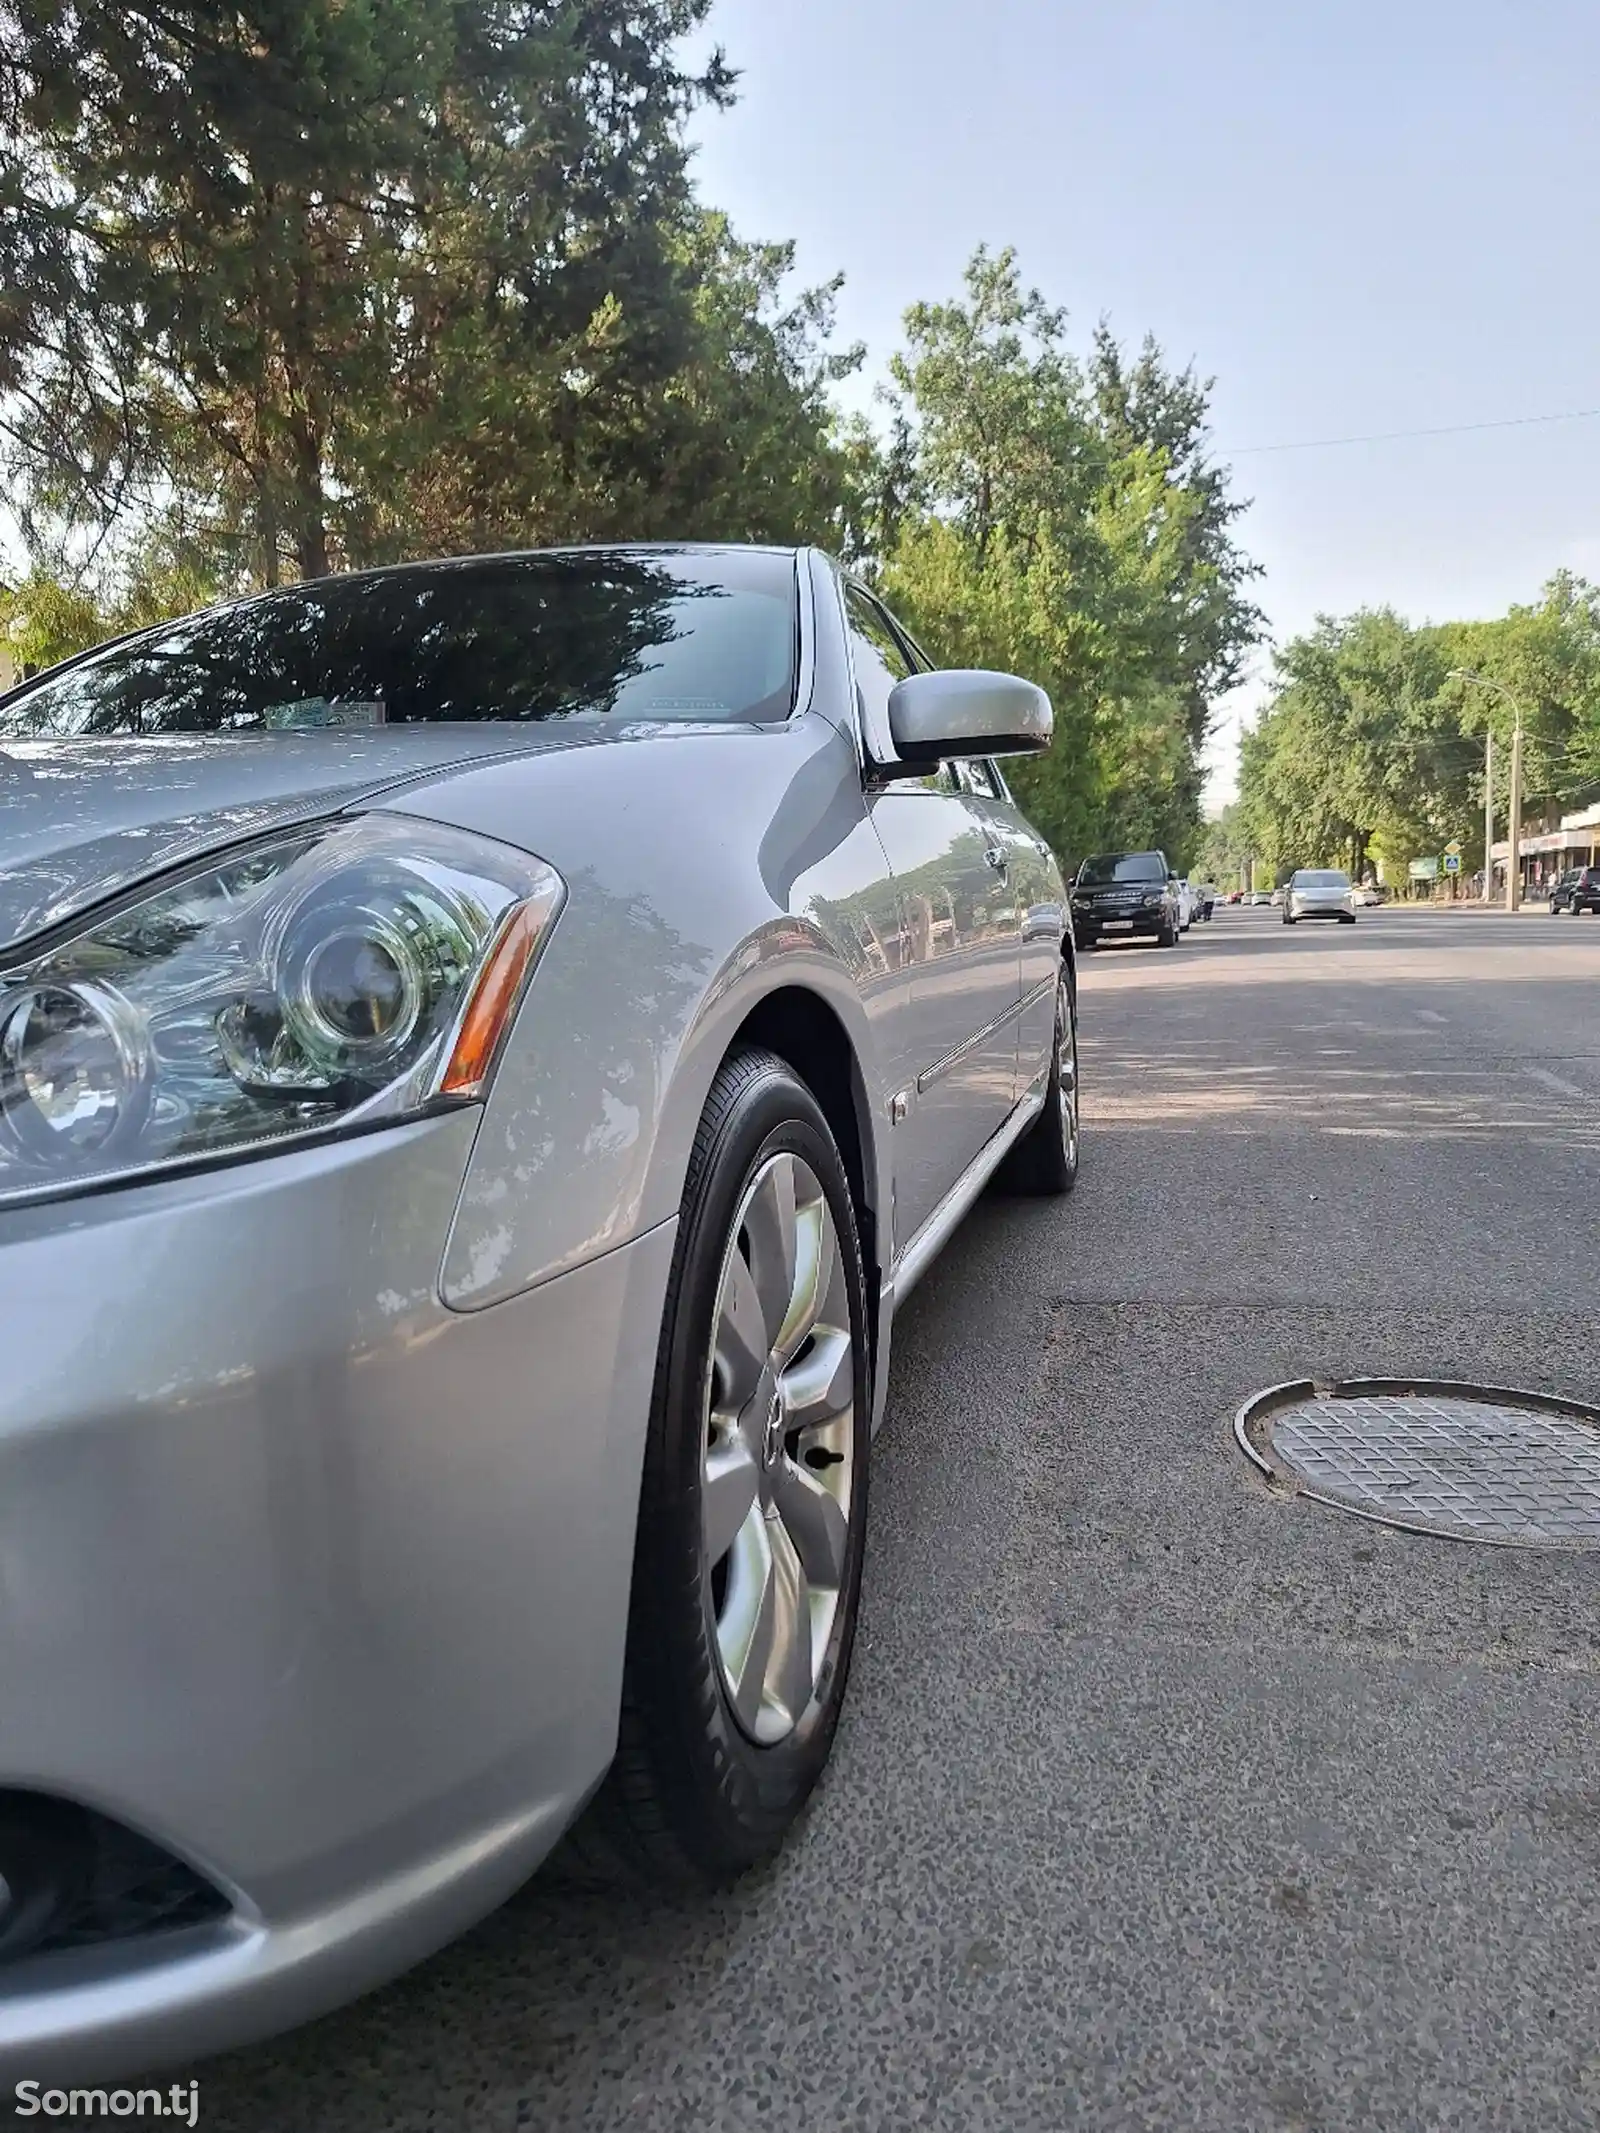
pixel 297 285
pixel 1225 849
pixel 309 282
pixel 1372 748
pixel 1060 516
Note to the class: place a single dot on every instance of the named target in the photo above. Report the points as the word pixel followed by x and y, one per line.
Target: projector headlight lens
pixel 350 973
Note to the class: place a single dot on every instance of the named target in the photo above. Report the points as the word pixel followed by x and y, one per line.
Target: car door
pixel 1039 896
pixel 954 1064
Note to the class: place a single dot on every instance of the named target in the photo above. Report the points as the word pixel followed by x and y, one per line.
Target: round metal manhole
pixel 1464 1462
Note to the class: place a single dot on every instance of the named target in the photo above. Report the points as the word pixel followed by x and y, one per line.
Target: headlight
pixel 353 972
pixel 1153 897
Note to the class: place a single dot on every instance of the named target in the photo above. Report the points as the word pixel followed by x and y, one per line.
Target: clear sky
pixel 1358 216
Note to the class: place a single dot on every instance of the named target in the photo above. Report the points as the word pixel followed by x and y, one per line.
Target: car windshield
pixel 1122 866
pixel 1321 878
pixel 626 634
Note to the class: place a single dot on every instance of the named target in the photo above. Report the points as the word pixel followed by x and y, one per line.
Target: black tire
pixel 1044 1163
pixel 1167 937
pixel 1346 918
pixel 691 1799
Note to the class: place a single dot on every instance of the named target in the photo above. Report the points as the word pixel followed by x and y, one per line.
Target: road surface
pixel 1159 1802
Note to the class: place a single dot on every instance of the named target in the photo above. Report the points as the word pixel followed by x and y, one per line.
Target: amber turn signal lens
pixel 494 998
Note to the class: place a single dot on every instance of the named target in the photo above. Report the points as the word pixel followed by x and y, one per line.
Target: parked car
pixel 1260 896
pixel 1319 892
pixel 1188 902
pixel 1367 895
pixel 1276 898
pixel 1126 896
pixel 1559 891
pixel 485 1047
pixel 1578 889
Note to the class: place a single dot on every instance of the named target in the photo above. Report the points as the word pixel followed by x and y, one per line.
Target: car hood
pixel 84 820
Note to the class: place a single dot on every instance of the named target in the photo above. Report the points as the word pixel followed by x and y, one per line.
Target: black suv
pixel 1577 890
pixel 1125 895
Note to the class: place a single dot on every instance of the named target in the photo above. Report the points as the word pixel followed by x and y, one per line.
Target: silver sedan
pixel 485 1050
pixel 1319 892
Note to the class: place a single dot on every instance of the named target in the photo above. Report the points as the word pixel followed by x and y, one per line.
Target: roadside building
pixel 1547 848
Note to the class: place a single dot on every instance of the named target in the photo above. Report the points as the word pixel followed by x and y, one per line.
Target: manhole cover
pixel 1467 1462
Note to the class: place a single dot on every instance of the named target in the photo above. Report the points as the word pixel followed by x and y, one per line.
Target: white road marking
pixel 1561 1086
pixel 1427 1014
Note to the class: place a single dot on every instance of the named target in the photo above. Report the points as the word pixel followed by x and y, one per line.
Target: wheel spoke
pixel 742 1341
pixel 776 1528
pixel 822 1383
pixel 817 1268
pixel 728 1493
pixel 791 1675
pixel 749 1621
pixel 770 1225
pixel 814 1521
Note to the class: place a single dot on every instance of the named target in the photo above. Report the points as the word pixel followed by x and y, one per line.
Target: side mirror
pixel 967 711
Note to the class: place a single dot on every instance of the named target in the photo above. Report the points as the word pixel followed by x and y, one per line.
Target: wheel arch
pixel 803 1029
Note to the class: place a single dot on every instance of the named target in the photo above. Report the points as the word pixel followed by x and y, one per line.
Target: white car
pixel 1319 892
pixel 1188 904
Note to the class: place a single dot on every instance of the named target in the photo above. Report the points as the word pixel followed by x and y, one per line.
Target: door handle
pixel 996 857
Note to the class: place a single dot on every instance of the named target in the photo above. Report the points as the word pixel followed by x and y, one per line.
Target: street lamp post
pixel 1514 812
pixel 1488 817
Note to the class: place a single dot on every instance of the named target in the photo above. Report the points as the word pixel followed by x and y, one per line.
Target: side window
pixel 880 661
pixel 979 776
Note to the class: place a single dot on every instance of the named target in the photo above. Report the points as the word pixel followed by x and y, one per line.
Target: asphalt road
pixel 1160 1801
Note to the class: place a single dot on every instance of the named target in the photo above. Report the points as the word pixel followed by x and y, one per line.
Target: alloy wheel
pixel 778 1465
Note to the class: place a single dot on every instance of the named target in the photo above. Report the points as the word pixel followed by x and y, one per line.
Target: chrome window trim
pixel 805 679
pixel 878 749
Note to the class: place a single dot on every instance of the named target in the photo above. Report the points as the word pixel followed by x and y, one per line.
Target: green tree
pixel 1225 849
pixel 42 621
pixel 1372 746
pixel 1060 517
pixel 318 281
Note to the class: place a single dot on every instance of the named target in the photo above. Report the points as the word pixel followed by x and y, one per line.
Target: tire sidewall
pixel 749 1792
pixel 1067 1005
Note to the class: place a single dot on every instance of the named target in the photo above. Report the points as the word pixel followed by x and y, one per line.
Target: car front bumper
pixel 1115 924
pixel 307 1579
pixel 1343 908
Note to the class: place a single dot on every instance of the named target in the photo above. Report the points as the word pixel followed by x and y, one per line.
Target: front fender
pixel 671 936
